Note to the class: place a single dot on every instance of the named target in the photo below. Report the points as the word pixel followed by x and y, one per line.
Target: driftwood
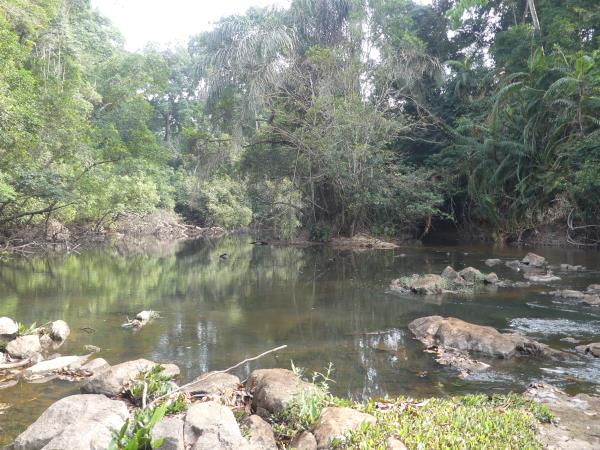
pixel 208 375
pixel 15 365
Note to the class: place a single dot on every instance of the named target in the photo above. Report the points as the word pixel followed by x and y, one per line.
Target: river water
pixel 326 305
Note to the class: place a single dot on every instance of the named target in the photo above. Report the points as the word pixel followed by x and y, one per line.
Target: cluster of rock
pixel 21 350
pixel 453 340
pixel 87 421
pixel 589 297
pixel 449 281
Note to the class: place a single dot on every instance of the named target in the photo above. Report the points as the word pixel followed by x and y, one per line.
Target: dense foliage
pixel 337 116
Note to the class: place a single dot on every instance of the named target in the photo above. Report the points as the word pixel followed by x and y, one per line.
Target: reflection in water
pixel 326 305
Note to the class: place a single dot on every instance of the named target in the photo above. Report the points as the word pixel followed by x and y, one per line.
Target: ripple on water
pixel 555 326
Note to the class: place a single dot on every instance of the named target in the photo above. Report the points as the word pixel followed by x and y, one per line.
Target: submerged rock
pixel 593 289
pixel 459 361
pixel 567 293
pixel 533 260
pixel 272 389
pixel 493 262
pixel 78 422
pixel 335 422
pixel 589 349
pixel 570 268
pixel 460 335
pixel 541 278
pixel 55 364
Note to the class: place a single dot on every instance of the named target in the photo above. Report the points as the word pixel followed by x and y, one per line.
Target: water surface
pixel 326 305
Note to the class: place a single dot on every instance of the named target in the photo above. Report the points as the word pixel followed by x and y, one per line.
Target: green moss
pixel 472 421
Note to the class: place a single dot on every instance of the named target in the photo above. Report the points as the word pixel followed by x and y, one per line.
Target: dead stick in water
pixel 210 374
pixel 15 365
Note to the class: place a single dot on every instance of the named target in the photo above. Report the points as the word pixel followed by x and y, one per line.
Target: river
pixel 326 305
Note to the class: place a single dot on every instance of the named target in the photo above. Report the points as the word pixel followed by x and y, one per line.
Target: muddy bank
pixel 132 232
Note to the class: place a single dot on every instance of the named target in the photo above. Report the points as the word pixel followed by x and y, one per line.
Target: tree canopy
pixel 336 116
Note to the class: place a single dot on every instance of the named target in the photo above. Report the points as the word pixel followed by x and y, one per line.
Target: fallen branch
pixel 210 374
pixel 15 365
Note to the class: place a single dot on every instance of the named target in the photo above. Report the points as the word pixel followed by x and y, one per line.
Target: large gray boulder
pixel 113 380
pixel 8 329
pixel 272 389
pixel 24 346
pixel 452 275
pixel 260 433
pixel 533 260
pixel 170 430
pixel 213 383
pixel 59 331
pixel 472 275
pixel 335 422
pixel 212 426
pixel 430 284
pixel 464 336
pixel 78 422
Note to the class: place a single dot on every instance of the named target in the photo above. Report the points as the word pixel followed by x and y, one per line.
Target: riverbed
pixel 225 300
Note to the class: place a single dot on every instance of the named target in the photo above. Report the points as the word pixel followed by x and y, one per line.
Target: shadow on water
pixel 326 305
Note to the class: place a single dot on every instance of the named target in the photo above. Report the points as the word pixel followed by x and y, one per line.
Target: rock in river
pixel 8 328
pixel 460 335
pixel 533 260
pixel 429 284
pixel 78 422
pixel 59 330
pixel 24 346
pixel 589 349
pixel 493 262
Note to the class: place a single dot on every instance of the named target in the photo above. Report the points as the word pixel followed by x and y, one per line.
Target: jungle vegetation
pixel 332 116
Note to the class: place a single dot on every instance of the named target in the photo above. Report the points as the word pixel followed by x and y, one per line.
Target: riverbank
pixel 127 230
pixel 136 403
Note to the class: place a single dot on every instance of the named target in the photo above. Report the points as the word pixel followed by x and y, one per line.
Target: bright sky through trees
pixel 161 21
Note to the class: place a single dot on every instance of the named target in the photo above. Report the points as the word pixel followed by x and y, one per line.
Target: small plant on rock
pixel 153 384
pixel 24 330
pixel 137 435
pixel 305 408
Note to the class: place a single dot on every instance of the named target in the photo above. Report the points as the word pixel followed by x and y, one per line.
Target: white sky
pixel 170 21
